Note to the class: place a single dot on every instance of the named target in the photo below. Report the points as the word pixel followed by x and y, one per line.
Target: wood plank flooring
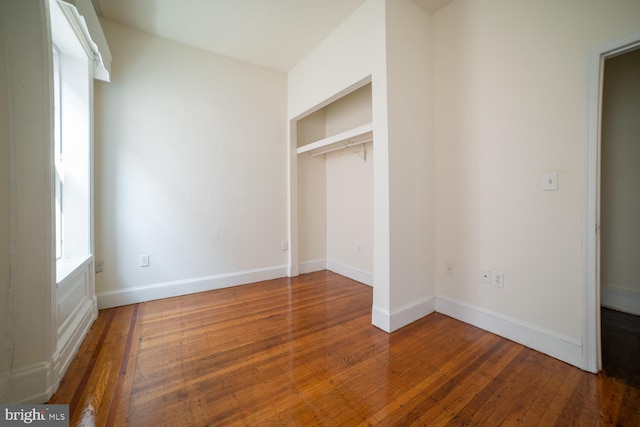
pixel 621 345
pixel 302 351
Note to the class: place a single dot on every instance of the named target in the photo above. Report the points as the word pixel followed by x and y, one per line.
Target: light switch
pixel 550 181
pixel 144 260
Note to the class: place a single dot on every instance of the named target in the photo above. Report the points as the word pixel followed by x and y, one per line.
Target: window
pixel 72 83
pixel 77 60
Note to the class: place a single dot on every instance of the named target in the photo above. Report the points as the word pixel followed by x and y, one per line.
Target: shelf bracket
pixel 363 154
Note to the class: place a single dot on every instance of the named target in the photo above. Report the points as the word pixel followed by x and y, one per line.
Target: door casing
pixel 591 347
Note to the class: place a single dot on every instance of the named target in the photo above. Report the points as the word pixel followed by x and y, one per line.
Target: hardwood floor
pixel 302 351
pixel 621 346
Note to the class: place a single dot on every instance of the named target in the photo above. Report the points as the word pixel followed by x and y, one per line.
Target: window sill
pixel 65 267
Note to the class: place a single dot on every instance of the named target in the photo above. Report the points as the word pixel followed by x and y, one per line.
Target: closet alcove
pixel 335 187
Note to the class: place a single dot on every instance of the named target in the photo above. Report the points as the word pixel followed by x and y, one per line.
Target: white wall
pixel 411 157
pixel 190 169
pixel 349 196
pixel 311 196
pixel 31 332
pixel 510 82
pixel 312 213
pixel 620 178
pixel 5 221
pixel 352 52
pixel 350 210
pixel 349 112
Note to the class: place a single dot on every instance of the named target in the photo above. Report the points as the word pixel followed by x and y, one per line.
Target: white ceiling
pixel 273 33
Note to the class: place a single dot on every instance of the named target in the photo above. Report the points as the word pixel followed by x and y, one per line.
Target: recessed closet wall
pixel 335 187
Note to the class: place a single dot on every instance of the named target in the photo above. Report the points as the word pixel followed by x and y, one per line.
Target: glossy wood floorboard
pixel 302 351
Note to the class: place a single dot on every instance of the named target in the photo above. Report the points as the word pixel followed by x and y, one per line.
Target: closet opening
pixel 334 161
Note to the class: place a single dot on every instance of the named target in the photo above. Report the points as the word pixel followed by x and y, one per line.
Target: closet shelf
pixel 349 138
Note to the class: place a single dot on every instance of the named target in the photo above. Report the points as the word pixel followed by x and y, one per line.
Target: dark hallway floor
pixel 621 346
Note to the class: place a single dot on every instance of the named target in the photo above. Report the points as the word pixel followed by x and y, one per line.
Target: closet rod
pixel 353 144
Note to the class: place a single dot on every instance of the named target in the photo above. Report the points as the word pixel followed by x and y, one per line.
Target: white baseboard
pixel 337 267
pixel 69 343
pixel 350 272
pixel 139 294
pixel 37 383
pixel 390 321
pixel 620 299
pixel 33 384
pixel 76 309
pixel 561 347
pixel 312 266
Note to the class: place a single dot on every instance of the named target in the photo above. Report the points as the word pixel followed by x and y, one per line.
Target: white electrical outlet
pixel 550 181
pixel 448 268
pixel 285 245
pixel 485 276
pixel 498 279
pixel 99 266
pixel 144 260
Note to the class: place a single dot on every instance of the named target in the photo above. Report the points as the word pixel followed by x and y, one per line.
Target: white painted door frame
pixel 592 341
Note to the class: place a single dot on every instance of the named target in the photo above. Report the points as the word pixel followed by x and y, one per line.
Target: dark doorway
pixel 621 346
pixel 619 216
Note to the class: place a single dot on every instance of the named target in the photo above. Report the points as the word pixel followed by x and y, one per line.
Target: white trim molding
pixel 312 266
pixel 32 384
pixel 338 268
pixel 86 26
pixel 69 343
pixel 175 288
pixel 621 299
pixel 561 347
pixel 350 272
pixel 393 320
